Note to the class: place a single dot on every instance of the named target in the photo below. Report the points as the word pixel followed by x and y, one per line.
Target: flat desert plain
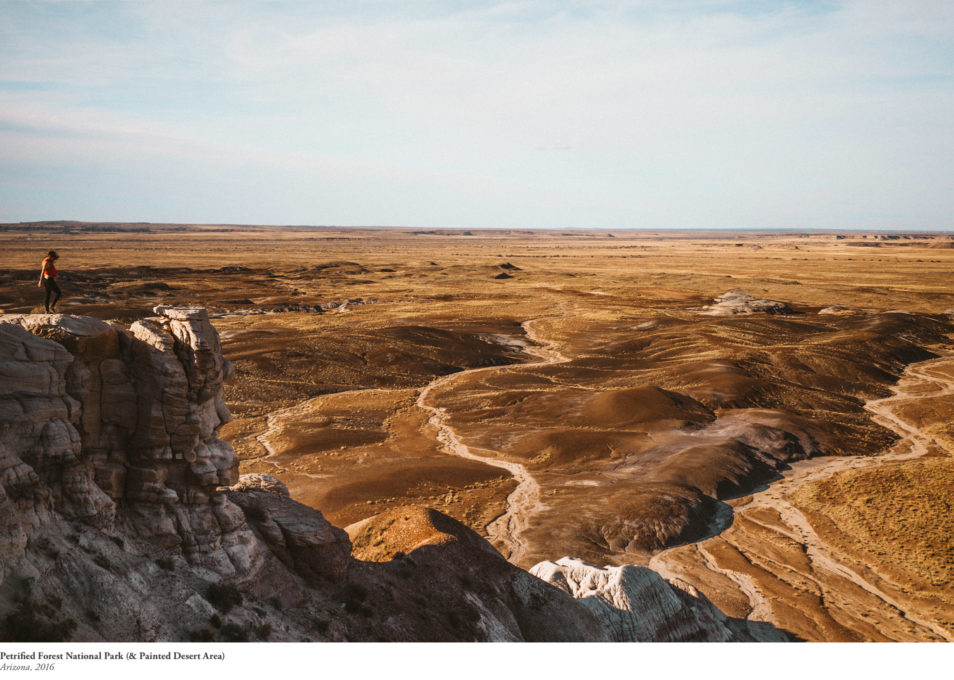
pixel 764 416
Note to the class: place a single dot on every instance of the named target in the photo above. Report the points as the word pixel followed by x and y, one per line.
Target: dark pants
pixel 51 289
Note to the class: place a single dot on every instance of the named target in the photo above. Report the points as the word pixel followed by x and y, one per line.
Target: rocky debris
pixel 305 309
pixel 511 267
pixel 260 482
pixel 503 275
pixel 735 302
pixel 259 311
pixel 635 604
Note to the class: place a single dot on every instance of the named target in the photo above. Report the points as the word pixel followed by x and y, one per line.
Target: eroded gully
pixel 524 501
pixel 925 379
pixel 919 380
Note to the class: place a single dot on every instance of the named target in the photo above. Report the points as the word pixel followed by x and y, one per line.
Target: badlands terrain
pixel 761 420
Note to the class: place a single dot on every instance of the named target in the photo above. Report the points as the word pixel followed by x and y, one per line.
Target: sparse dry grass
pixel 900 514
pixel 624 310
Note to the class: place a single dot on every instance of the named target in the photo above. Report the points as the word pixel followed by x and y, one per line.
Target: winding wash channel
pixel 839 596
pixel 835 595
pixel 523 501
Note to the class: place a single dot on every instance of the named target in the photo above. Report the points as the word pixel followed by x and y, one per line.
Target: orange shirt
pixel 50 268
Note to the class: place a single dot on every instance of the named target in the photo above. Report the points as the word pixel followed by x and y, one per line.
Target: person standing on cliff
pixel 48 280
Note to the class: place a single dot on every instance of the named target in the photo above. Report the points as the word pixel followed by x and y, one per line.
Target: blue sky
pixel 646 114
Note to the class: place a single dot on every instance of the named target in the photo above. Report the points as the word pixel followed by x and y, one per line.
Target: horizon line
pixel 815 230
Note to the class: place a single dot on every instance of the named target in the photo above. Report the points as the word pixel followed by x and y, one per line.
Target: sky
pixel 450 114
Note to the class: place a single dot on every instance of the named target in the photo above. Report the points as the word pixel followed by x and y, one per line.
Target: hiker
pixel 48 280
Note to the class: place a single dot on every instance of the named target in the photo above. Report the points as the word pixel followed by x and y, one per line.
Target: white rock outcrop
pixel 735 302
pixel 635 604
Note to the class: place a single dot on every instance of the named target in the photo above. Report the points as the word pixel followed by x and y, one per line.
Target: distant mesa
pixel 735 302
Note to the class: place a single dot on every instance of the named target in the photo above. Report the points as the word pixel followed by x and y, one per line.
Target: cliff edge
pixel 122 519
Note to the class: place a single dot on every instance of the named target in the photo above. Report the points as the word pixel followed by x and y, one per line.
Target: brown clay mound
pixel 338 267
pixel 651 516
pixel 282 365
pixel 570 449
pixel 720 384
pixel 622 408
pixel 402 530
pixel 717 470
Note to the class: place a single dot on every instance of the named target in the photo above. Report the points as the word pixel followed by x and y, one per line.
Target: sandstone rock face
pixel 305 542
pixel 40 446
pixel 121 426
pixel 635 604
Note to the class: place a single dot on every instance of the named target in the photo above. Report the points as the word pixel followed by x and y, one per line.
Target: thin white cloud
pixel 665 113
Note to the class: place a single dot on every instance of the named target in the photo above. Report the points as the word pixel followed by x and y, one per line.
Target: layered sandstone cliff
pixel 117 521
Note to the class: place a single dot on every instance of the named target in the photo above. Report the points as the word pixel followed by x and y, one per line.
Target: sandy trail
pixel 925 379
pixel 524 501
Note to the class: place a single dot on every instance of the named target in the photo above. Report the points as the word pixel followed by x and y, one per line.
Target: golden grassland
pixel 900 514
pixel 327 400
